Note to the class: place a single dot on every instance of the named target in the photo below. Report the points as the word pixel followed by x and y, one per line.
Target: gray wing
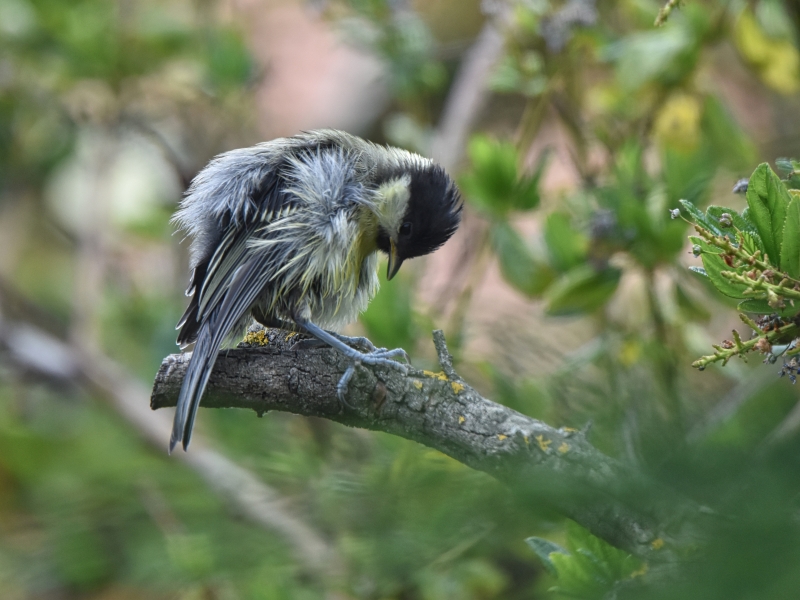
pixel 214 329
pixel 220 246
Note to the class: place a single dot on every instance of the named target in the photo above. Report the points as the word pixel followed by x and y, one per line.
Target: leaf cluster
pixel 754 257
pixel 588 567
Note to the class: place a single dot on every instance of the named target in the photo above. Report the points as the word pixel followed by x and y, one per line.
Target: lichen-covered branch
pixel 558 467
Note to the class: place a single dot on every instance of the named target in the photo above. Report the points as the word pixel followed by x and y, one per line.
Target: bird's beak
pixel 394 261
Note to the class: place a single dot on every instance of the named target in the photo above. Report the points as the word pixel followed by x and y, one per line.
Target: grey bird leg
pixel 377 356
pixel 356 342
pixel 274 322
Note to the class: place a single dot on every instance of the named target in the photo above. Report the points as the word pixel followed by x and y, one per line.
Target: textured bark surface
pixel 558 467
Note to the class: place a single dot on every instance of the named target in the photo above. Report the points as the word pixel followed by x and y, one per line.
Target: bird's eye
pixel 405 229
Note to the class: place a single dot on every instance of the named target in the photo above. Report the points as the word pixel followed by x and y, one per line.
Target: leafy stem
pixel 754 259
pixel 760 284
pixel 737 347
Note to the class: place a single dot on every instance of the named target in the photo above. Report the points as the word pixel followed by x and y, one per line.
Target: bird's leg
pixel 276 323
pixel 378 356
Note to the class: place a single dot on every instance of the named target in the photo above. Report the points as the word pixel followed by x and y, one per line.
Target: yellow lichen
pixel 461 419
pixel 501 437
pixel 569 429
pixel 440 375
pixel 543 443
pixel 289 336
pixel 457 387
pixel 527 439
pixel 418 385
pixel 256 338
pixel 657 544
pixel 563 448
pixel 640 571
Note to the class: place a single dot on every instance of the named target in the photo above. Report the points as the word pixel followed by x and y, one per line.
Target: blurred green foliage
pixel 638 119
pixel 588 567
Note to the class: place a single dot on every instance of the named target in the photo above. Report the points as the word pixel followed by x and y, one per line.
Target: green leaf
pixel 768 200
pixel 517 263
pixel 762 307
pixel 543 549
pixel 751 242
pixel 789 170
pixel 713 214
pixel 714 265
pixel 494 185
pixel 490 184
pixel 526 191
pixel 747 234
pixel 664 55
pixel 567 247
pixel 581 289
pixel 697 216
pixel 790 253
pixel 590 567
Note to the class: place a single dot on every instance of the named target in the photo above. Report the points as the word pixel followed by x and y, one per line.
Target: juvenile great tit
pixel 288 232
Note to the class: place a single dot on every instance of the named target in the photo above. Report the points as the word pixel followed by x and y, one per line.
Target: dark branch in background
pixel 557 467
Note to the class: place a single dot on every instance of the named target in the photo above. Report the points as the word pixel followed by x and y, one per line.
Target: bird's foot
pixel 361 343
pixel 376 357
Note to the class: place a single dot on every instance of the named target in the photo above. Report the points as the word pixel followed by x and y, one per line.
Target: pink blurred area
pixel 312 79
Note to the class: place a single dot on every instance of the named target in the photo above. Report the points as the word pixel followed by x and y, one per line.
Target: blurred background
pixel 572 127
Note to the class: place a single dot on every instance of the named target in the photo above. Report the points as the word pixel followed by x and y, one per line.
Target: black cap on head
pixel 434 212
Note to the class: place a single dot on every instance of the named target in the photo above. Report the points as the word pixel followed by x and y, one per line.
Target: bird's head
pixel 418 209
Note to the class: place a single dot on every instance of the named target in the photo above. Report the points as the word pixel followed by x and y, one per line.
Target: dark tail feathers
pixel 194 384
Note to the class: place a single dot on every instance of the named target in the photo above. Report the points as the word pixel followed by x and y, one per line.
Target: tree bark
pixel 557 467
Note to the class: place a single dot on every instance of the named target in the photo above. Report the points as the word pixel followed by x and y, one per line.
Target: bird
pixel 288 232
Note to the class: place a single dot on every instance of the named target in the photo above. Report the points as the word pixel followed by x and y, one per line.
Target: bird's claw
pixel 358 342
pixel 378 357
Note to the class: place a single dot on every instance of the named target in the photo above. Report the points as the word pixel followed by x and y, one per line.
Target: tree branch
pixel 558 467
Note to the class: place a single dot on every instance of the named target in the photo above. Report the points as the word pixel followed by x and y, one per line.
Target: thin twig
pixel 445 358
